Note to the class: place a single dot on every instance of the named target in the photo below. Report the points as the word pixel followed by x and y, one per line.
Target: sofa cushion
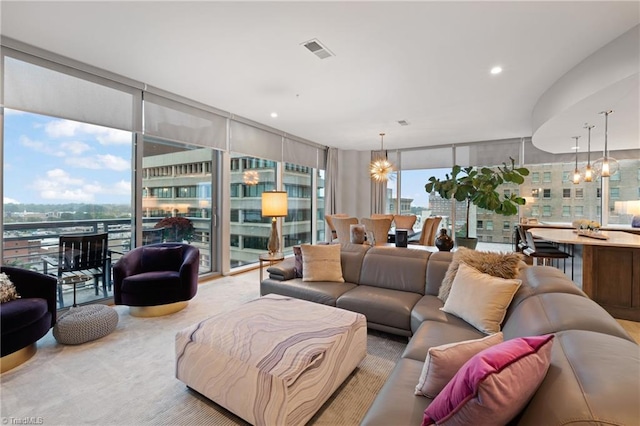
pixel 436 333
pixel 391 308
pixel 321 263
pixel 503 265
pixel 444 361
pixel 593 379
pixel 395 403
pixel 428 309
pixel 395 268
pixel 17 313
pixel 324 292
pixel 494 385
pixel 151 282
pixel 552 312
pixel 161 258
pixel 480 299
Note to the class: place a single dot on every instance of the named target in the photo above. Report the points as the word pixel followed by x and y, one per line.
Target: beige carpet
pixel 127 378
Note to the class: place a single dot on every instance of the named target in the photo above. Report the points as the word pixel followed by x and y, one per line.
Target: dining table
pixel 610 266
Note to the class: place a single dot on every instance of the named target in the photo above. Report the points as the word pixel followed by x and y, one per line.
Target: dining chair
pixel 332 228
pixel 382 216
pixel 429 230
pixel 379 228
pixel 343 228
pixel 404 221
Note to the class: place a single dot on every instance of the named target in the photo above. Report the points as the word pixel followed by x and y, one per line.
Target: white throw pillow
pixel 480 299
pixel 444 361
pixel 321 263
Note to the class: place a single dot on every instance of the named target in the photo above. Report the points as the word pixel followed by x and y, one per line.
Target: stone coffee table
pixel 274 360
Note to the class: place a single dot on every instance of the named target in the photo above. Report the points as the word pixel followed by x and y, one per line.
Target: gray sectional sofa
pixel 594 377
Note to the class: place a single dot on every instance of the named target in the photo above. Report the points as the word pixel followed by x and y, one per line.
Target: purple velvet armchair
pixel 163 275
pixel 27 319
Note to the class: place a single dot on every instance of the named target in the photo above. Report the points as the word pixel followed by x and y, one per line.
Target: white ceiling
pixel 424 62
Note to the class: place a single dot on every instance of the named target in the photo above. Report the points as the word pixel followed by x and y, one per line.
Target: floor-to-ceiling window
pixel 62 177
pixel 296 227
pixel 250 177
pixel 178 196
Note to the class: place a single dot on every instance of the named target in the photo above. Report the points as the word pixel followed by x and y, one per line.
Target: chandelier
pixel 250 177
pixel 381 168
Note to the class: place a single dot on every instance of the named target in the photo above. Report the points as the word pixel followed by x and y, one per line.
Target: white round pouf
pixel 82 324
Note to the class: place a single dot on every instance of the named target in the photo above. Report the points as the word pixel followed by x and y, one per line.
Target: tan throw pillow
pixel 480 299
pixel 8 291
pixel 444 361
pixel 321 263
pixel 503 265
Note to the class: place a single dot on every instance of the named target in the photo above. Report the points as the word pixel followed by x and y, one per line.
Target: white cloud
pixel 104 135
pixel 75 147
pixel 58 184
pixel 41 147
pixel 98 162
pixel 7 200
pixel 112 162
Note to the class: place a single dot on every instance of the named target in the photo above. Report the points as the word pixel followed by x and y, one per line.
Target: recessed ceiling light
pixel 575 148
pixel 274 115
pixel 496 70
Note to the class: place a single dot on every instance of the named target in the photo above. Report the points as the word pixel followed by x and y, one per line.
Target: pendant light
pixel 588 174
pixel 381 168
pixel 576 172
pixel 606 166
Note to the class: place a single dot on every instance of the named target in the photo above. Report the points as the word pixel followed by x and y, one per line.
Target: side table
pixel 271 258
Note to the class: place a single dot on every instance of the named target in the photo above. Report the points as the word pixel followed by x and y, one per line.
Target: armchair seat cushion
pixel 18 313
pixel 146 282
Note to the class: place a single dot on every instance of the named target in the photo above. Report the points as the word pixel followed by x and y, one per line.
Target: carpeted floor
pixel 128 378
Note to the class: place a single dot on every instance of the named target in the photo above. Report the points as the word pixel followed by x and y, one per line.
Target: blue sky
pixel 52 161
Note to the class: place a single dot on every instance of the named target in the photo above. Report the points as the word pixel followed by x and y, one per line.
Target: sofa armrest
pixel 283 271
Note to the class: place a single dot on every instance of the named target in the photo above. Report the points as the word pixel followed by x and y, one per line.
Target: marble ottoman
pixel 274 360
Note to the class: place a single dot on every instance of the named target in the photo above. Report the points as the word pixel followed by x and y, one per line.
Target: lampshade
pixel 274 203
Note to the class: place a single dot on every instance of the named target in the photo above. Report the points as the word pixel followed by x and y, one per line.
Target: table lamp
pixel 274 205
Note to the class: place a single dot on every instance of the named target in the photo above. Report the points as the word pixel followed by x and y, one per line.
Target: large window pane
pixel 63 177
pixel 250 231
pixel 178 196
pixel 296 227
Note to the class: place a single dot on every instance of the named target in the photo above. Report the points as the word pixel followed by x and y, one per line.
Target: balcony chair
pixel 343 228
pixel 27 319
pixel 158 279
pixel 80 257
pixel 379 227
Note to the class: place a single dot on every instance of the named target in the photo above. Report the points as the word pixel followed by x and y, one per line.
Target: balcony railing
pixel 26 243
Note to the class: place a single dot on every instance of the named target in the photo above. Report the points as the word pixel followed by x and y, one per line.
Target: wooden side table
pixel 271 258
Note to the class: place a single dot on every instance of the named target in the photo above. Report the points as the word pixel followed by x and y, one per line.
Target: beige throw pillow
pixel 480 299
pixel 444 361
pixel 321 263
pixel 503 265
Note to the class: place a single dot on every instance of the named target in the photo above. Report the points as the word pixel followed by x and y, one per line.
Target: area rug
pixel 128 377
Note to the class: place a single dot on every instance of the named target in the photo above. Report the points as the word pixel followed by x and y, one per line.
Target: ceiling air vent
pixel 318 49
pixel 403 122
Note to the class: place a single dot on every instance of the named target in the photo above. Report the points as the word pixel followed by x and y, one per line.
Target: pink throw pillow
pixel 494 385
pixel 444 361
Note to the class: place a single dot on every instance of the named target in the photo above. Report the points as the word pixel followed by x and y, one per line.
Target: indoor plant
pixel 478 186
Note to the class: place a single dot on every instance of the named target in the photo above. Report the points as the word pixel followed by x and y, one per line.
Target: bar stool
pixel 547 253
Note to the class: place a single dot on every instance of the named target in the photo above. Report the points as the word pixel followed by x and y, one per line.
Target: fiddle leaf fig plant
pixel 478 186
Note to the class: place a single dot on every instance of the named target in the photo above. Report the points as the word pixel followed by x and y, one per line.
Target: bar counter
pixel 610 268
